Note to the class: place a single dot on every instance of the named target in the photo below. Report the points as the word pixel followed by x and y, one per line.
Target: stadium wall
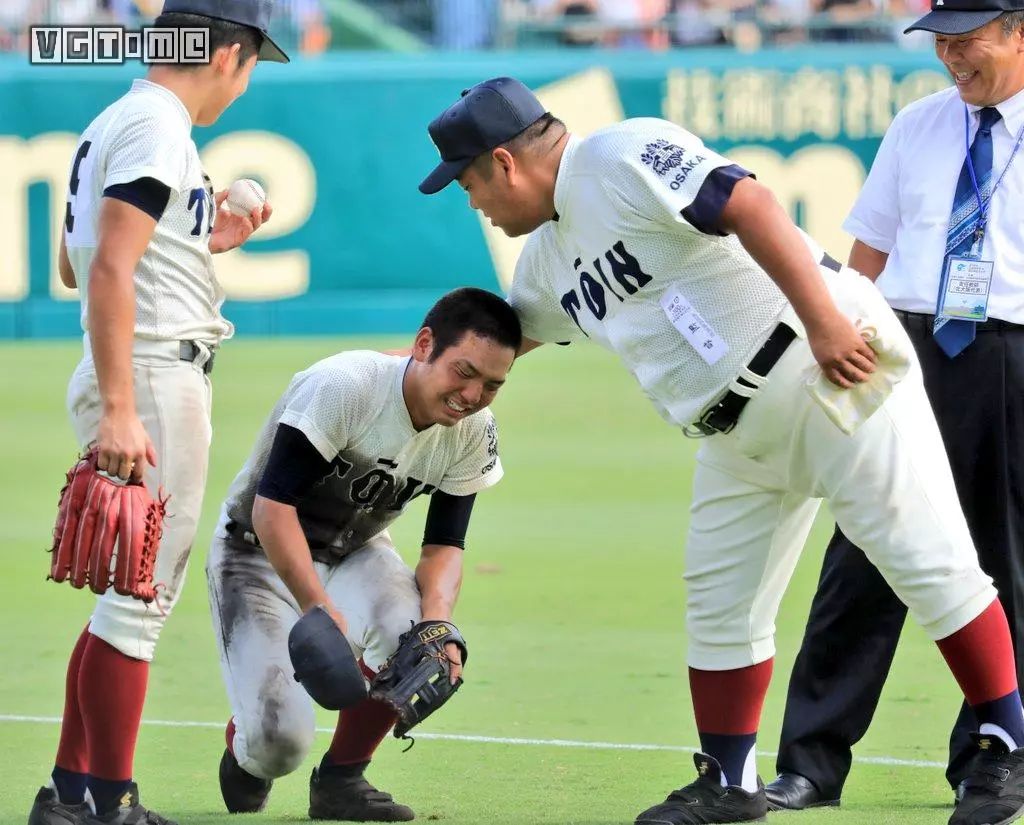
pixel 340 144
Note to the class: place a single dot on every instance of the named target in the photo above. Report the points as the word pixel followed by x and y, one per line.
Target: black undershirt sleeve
pixel 293 467
pixel 147 194
pixel 448 519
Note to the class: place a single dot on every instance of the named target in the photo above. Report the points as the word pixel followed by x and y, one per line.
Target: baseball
pixel 244 195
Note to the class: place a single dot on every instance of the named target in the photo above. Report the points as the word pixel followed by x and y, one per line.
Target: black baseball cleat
pixel 341 792
pixel 49 810
pixel 707 801
pixel 128 812
pixel 792 792
pixel 243 793
pixel 993 792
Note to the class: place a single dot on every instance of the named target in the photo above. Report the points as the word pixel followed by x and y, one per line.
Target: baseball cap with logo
pixel 487 115
pixel 962 16
pixel 253 13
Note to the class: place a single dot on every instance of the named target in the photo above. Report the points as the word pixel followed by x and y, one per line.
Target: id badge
pixel 697 332
pixel 968 282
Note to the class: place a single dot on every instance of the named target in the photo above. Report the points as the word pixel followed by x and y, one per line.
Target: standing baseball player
pixel 141 225
pixel 656 247
pixel 351 442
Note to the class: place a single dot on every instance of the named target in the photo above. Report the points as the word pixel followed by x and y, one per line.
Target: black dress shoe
pixel 792 792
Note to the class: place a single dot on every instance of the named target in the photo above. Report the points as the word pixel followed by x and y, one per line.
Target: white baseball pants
pixel 173 399
pixel 757 489
pixel 253 612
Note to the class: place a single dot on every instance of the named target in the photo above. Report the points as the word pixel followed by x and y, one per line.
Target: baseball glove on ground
pixel 97 513
pixel 415 681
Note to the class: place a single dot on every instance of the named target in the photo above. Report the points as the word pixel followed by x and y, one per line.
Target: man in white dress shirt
pixel 907 240
pixel 654 246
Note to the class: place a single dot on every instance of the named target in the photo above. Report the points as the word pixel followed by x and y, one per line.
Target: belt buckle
pixel 245 536
pixel 708 424
pixel 199 356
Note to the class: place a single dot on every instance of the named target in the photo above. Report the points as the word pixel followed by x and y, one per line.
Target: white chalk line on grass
pixel 504 740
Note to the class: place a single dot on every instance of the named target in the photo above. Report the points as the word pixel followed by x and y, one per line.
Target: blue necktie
pixel 955 335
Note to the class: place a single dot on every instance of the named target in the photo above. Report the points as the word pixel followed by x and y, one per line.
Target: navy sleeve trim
pixel 448 519
pixel 147 194
pixel 705 213
pixel 293 467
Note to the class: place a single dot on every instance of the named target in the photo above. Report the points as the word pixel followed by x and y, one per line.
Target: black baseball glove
pixel 416 680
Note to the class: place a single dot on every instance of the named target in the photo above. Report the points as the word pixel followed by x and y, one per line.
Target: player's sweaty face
pixel 986 64
pixel 464 379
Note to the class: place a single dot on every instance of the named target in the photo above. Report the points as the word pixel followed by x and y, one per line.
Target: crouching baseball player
pixel 352 441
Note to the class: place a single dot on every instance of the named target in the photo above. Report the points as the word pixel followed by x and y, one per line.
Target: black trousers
pixel 856 619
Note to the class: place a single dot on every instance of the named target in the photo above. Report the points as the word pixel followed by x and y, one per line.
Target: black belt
pixel 922 322
pixel 319 550
pixel 722 417
pixel 234 529
pixel 190 351
pixel 829 262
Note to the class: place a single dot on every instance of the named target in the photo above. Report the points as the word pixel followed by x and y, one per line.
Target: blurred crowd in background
pixel 301 24
pixel 313 26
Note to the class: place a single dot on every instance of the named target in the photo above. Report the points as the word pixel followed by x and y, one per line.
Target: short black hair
pixel 222 33
pixel 546 126
pixel 536 131
pixel 478 311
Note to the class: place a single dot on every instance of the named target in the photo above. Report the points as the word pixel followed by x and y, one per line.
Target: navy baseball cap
pixel 254 13
pixel 486 116
pixel 962 16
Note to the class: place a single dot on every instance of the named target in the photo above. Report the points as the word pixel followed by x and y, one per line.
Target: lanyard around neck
pixel 984 204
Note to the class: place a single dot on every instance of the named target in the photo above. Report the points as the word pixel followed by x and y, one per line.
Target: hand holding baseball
pixel 241 210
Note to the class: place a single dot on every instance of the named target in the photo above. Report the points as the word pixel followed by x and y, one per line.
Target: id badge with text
pixel 968 282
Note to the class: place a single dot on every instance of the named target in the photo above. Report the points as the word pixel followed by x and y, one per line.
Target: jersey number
pixel 69 218
pixel 197 199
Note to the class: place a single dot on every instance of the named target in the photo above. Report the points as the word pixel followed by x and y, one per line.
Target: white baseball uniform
pixel 350 407
pixel 147 134
pixel 633 262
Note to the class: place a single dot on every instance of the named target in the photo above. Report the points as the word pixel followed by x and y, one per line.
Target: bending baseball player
pixel 303 538
pixel 742 331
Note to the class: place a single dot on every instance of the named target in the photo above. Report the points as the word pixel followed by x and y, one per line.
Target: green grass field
pixel 573 606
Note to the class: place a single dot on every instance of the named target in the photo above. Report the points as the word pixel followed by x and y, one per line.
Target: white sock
pixel 749 783
pixel 749 779
pixel 990 729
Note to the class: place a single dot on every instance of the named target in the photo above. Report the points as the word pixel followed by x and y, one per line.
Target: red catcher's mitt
pixel 96 513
